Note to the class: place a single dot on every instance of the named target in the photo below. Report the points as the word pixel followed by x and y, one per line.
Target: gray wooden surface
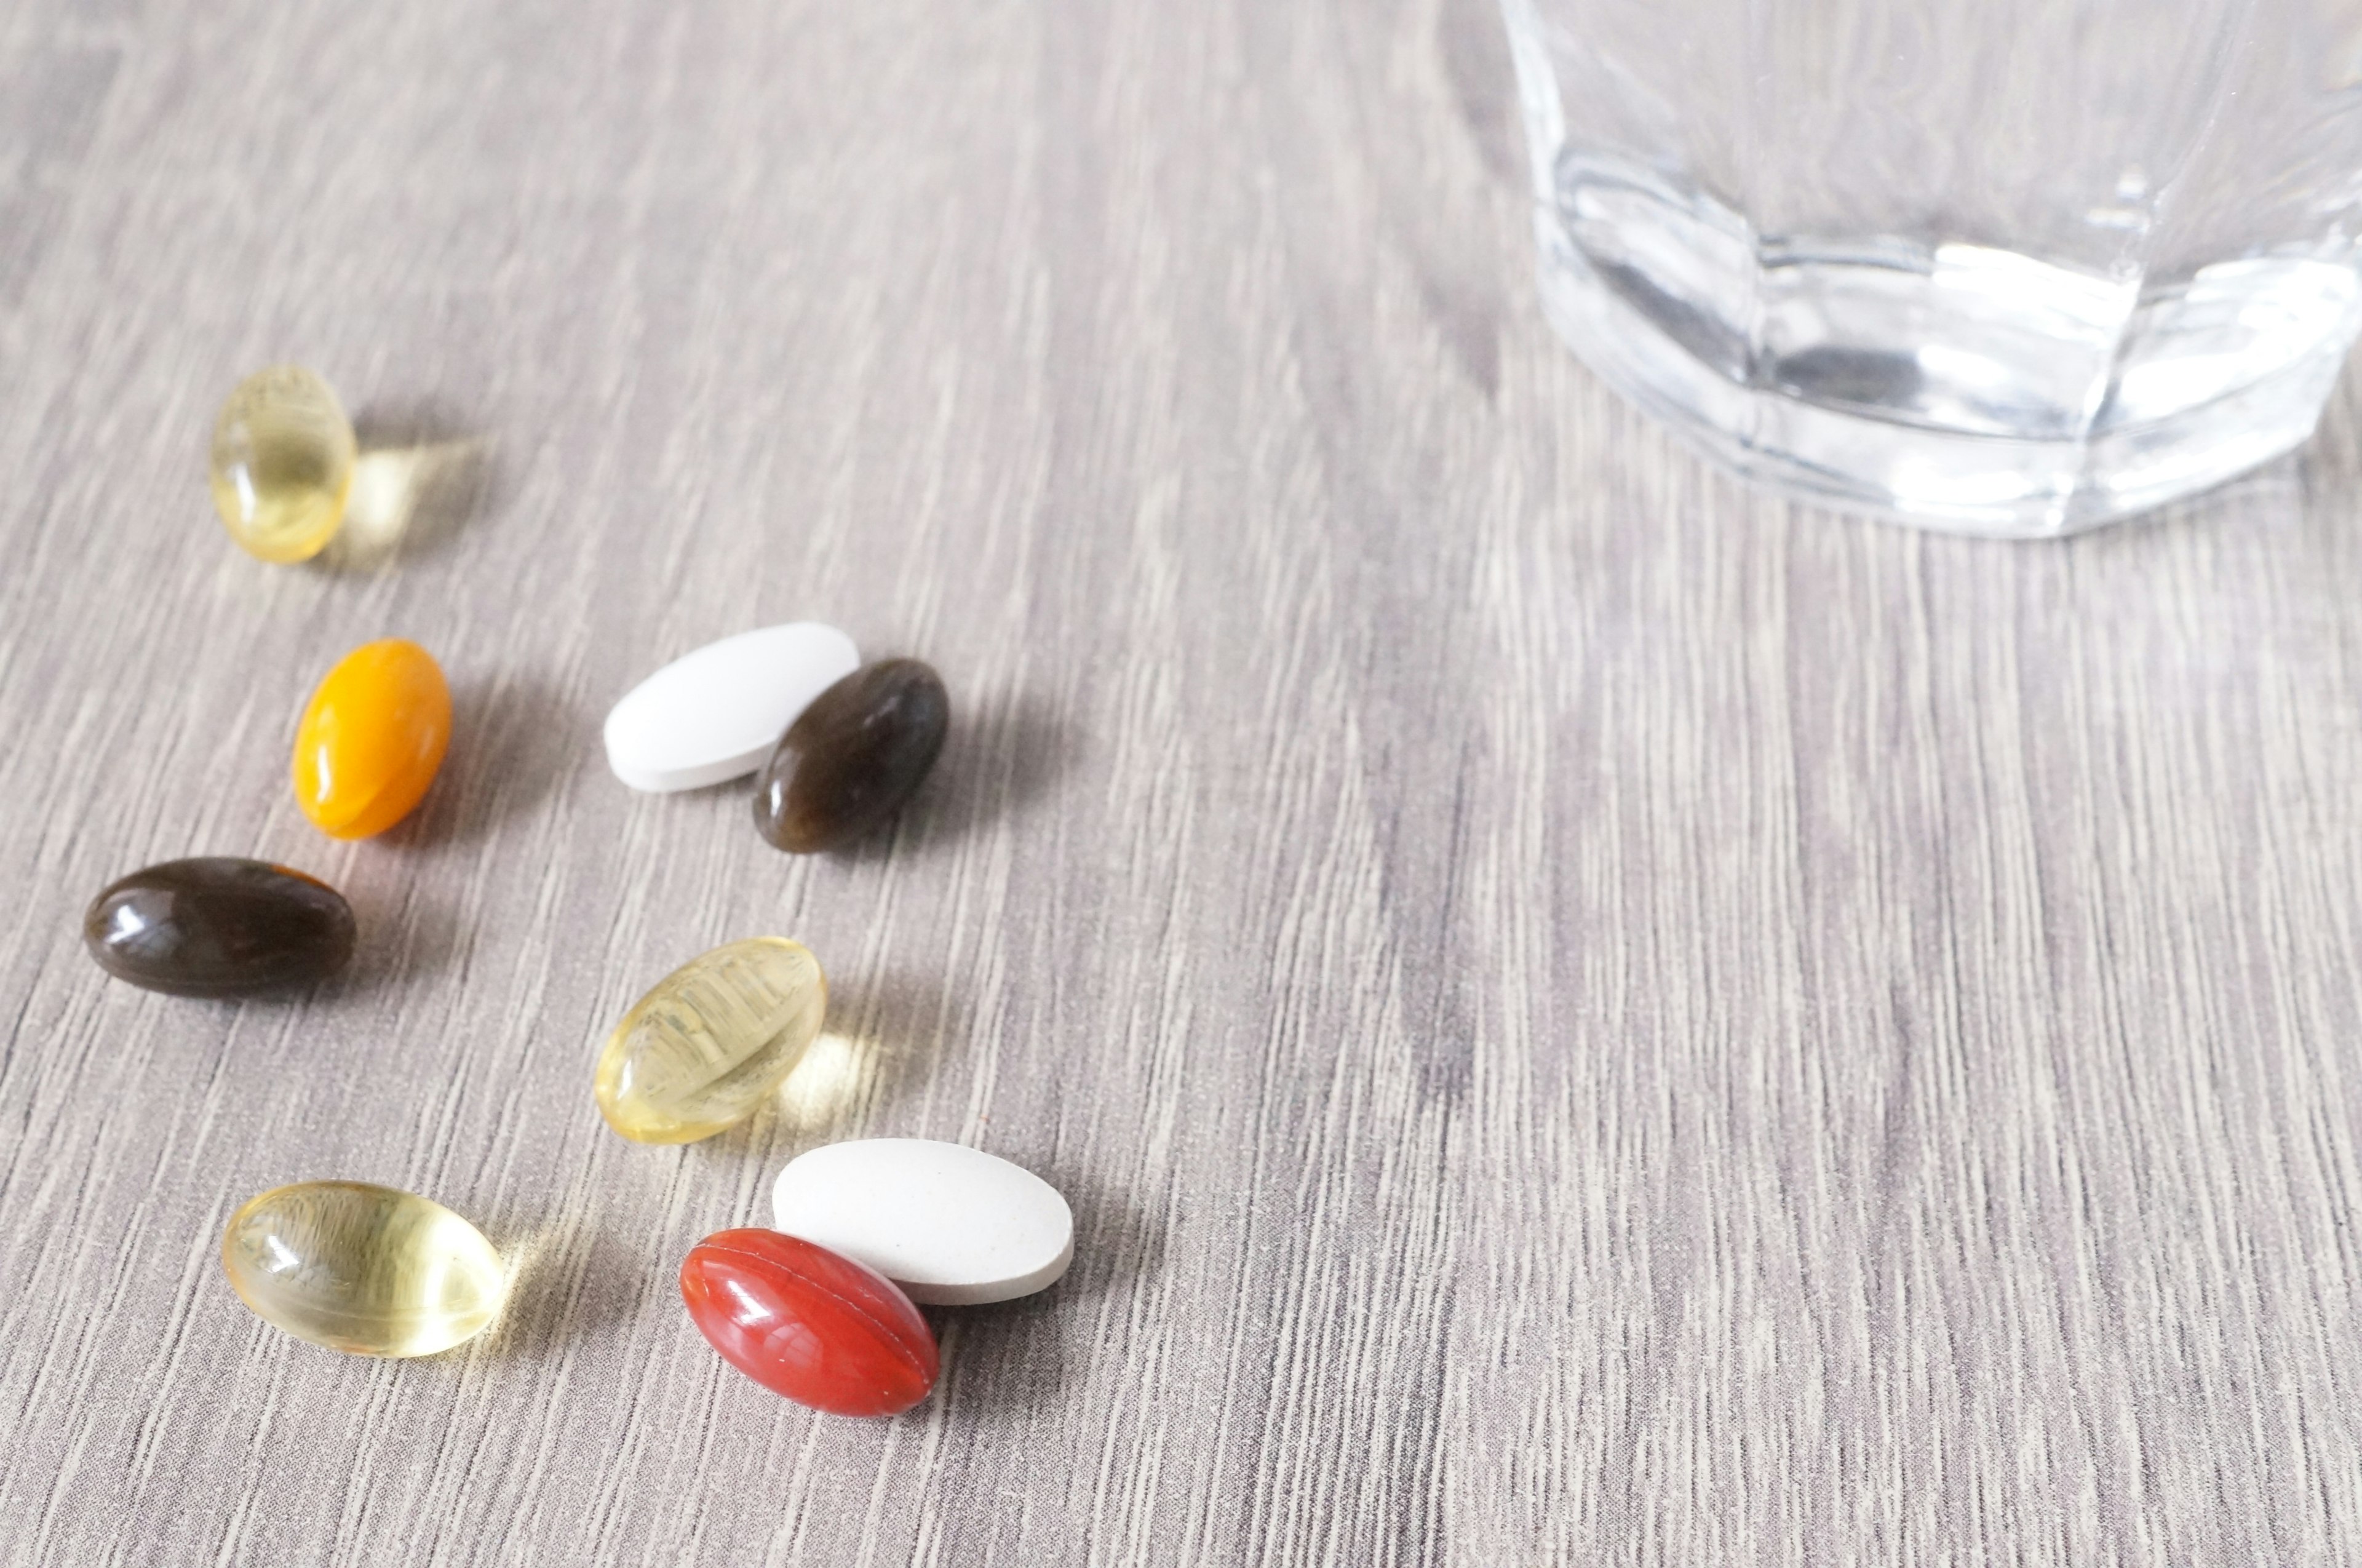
pixel 1586 1016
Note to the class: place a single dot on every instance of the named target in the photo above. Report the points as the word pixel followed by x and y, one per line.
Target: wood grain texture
pixel 1587 1016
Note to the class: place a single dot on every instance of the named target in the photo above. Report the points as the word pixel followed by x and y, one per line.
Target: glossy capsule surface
pixel 808 1323
pixel 282 464
pixel 852 757
pixel 711 1041
pixel 219 927
pixel 369 1270
pixel 371 739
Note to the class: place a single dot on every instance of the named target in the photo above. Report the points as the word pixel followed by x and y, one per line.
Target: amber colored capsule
pixel 852 757
pixel 372 738
pixel 219 927
pixel 711 1041
pixel 282 464
pixel 364 1269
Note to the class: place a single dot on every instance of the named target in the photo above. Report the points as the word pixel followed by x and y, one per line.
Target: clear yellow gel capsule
pixel 369 1270
pixel 282 464
pixel 711 1041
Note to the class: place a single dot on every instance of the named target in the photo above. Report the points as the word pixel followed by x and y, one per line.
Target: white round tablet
pixel 717 712
pixel 953 1226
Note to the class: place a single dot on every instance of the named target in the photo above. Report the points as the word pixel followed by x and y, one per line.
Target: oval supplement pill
pixel 847 764
pixel 367 1270
pixel 715 713
pixel 371 739
pixel 953 1226
pixel 711 1041
pixel 219 927
pixel 282 464
pixel 805 1323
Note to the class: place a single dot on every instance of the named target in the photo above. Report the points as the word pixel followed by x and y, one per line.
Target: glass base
pixel 1960 388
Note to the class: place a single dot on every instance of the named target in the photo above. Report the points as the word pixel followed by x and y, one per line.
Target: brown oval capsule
pixel 852 757
pixel 219 927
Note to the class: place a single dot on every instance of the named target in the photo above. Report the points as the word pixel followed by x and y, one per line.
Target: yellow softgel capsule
pixel 711 1041
pixel 372 738
pixel 282 464
pixel 364 1269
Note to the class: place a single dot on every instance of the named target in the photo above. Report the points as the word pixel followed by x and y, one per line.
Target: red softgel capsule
pixel 808 1323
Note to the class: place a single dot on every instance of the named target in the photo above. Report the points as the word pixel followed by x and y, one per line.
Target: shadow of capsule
pixel 406 499
pixel 1005 1362
pixel 511 746
pixel 565 1282
pixel 1004 759
pixel 883 1031
pixel 405 936
pixel 834 1078
pixel 825 1098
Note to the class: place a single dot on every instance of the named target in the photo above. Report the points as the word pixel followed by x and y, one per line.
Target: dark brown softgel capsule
pixel 854 758
pixel 219 927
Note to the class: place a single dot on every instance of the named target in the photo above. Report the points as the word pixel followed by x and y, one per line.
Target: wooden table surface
pixel 1586 1015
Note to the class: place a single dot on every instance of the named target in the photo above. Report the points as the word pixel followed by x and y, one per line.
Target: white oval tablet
pixel 717 712
pixel 953 1226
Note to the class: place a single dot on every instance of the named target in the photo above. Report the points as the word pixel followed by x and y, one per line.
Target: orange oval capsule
pixel 372 738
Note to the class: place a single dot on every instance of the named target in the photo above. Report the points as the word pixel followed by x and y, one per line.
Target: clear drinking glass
pixel 2013 267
